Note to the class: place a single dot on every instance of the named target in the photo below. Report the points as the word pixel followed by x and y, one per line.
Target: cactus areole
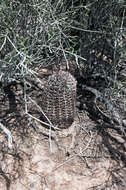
pixel 59 99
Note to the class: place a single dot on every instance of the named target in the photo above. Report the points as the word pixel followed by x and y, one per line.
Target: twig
pixel 68 52
pixel 8 133
pixel 21 54
pixel 56 128
pixel 122 23
pixel 114 114
pixel 69 159
pixel 3 43
pixel 91 137
pixel 50 124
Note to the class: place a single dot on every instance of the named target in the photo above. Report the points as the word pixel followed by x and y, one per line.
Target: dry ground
pixel 37 162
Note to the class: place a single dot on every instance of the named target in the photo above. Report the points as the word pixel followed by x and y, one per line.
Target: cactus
pixel 59 99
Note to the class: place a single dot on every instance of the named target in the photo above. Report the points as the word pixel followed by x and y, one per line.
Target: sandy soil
pixel 97 159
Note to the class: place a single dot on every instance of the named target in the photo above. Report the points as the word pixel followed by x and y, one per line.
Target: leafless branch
pixel 8 133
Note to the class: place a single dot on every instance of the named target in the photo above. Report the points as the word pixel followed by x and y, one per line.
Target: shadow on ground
pixel 98 160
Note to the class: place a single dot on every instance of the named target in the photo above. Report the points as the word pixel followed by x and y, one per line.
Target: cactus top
pixel 61 81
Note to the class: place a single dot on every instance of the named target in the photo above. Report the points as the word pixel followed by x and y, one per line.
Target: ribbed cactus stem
pixel 59 99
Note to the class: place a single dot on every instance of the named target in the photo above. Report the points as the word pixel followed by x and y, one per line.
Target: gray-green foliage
pixel 42 32
pixel 43 29
pixel 38 29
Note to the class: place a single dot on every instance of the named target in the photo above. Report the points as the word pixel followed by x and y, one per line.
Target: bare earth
pixel 93 159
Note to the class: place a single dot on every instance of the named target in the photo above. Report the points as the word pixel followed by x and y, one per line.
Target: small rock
pixel 124 122
pixel 32 185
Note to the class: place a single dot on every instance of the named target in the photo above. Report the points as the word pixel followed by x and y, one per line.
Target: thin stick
pixel 51 125
pixel 3 43
pixel 8 133
pixel 56 128
pixel 66 161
